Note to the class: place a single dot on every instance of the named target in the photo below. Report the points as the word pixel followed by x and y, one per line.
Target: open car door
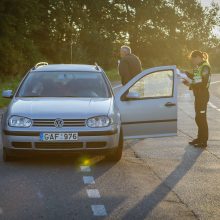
pixel 148 103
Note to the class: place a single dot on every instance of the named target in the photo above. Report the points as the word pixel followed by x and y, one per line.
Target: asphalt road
pixel 161 178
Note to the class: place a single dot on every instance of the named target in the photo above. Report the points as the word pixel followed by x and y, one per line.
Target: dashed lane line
pixel 93 193
pixel 88 180
pixel 85 168
pixel 98 210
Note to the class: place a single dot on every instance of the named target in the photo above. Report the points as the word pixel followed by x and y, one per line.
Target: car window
pixel 64 84
pixel 155 85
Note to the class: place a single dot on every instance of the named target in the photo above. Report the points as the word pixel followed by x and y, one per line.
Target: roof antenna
pixel 96 66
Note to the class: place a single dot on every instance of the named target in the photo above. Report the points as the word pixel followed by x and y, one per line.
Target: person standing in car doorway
pixel 201 77
pixel 129 65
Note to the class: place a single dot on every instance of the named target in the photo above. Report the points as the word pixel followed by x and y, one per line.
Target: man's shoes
pixel 193 142
pixel 201 145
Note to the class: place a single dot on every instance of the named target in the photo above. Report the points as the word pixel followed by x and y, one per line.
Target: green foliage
pixel 113 75
pixel 165 31
pixel 9 83
pixel 160 32
pixel 17 48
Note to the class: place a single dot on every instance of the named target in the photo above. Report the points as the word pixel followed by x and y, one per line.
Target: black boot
pixel 195 141
pixel 201 145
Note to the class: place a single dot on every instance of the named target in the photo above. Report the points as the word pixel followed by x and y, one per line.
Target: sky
pixel 207 3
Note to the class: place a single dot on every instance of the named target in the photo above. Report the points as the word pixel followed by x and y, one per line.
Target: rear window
pixel 64 84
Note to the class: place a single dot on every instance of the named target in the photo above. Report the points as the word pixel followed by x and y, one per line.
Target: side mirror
pixel 131 96
pixel 7 94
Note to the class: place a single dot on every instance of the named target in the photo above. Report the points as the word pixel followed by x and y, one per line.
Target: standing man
pixel 129 66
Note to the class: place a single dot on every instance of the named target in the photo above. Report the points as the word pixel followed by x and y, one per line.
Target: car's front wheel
pixel 6 156
pixel 117 153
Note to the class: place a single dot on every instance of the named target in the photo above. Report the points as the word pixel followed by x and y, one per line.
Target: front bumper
pixel 90 140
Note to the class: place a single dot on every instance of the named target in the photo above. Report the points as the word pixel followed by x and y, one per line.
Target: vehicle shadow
pixel 149 202
pixel 55 159
pixel 54 178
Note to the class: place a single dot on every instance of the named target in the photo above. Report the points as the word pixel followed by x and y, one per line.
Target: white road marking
pixel 212 105
pixel 1 211
pixel 215 82
pixel 98 210
pixel 88 180
pixel 93 193
pixel 85 168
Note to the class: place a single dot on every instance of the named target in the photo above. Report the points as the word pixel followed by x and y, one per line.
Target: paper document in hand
pixel 183 76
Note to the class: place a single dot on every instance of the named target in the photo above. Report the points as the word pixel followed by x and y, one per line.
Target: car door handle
pixel 170 104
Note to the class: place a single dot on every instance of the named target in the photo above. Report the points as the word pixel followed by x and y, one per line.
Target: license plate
pixel 58 136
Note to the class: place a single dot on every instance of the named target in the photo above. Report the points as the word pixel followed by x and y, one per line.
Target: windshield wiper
pixel 29 96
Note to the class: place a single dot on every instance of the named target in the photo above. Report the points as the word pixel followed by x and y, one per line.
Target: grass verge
pixel 113 75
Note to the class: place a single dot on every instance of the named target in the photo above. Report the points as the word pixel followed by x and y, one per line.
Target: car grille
pixel 21 144
pixel 60 145
pixel 67 122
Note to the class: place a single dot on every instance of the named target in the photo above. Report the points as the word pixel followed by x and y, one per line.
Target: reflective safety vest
pixel 197 74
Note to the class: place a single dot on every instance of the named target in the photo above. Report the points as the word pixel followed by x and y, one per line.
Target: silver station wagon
pixel 73 108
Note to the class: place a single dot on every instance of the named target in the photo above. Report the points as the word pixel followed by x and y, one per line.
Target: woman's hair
pixel 197 53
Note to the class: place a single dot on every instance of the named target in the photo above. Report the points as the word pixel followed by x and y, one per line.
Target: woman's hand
pixel 185 82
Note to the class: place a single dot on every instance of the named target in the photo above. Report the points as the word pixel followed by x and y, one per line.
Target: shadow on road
pixel 149 202
pixel 55 159
pixel 50 187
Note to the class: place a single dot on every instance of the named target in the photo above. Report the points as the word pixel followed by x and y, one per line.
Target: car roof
pixel 67 67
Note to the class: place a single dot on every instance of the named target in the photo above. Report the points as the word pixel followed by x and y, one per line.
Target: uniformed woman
pixel 200 85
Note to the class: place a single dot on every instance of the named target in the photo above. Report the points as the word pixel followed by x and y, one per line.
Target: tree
pixel 161 32
pixel 17 49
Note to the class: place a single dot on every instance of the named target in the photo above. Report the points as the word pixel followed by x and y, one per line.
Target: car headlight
pixel 98 122
pixel 22 122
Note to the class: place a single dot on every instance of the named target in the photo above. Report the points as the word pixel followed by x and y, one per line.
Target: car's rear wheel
pixel 6 156
pixel 116 155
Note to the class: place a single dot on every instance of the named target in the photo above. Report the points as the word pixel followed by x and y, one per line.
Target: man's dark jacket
pixel 129 67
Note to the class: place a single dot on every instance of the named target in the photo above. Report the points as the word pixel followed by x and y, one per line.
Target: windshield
pixel 64 84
